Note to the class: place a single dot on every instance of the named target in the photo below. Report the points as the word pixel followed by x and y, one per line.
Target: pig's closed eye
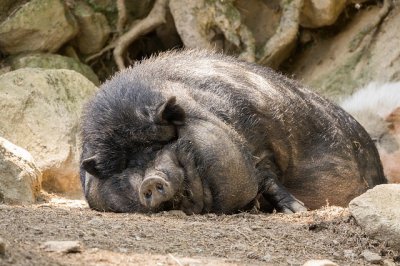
pixel 153 148
pixel 122 164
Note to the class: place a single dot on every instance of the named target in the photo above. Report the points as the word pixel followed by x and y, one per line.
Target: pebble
pixel 116 226
pixel 267 257
pixel 388 262
pixel 319 263
pixel 5 207
pixel 93 250
pixel 2 247
pixel 123 250
pixel 371 256
pixel 349 254
pixel 176 213
pixel 292 262
pixel 62 246
pixel 96 221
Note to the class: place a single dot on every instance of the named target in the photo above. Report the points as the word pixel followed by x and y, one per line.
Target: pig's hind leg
pixel 272 190
pixel 280 198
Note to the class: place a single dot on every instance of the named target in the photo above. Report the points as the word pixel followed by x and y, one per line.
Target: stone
pixel 6 7
pixel 371 257
pixel 186 23
pixel 349 254
pixel 319 263
pixel 264 25
pixel 38 25
pixel 336 65
pixel 267 257
pixel 212 25
pixel 52 61
pixel 20 178
pixel 93 29
pixel 319 13
pixel 389 262
pixel 377 211
pixel 41 111
pixel 62 246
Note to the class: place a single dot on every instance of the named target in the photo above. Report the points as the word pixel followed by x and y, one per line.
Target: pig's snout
pixel 155 190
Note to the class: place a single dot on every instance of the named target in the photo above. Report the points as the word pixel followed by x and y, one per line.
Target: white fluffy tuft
pixel 379 98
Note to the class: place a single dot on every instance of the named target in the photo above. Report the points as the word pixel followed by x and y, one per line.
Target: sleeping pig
pixel 202 132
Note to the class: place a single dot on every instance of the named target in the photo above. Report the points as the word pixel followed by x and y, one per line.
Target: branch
pixel 105 49
pixel 156 17
pixel 278 47
pixel 121 15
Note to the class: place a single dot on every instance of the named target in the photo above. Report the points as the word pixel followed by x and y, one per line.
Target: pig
pixel 202 132
pixel 377 108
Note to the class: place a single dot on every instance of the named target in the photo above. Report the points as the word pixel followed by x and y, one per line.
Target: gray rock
pixel 378 212
pixel 186 23
pixel 371 257
pixel 62 246
pixel 38 25
pixel 337 65
pixel 41 111
pixel 6 7
pixel 93 29
pixel 52 61
pixel 267 257
pixel 20 178
pixel 317 13
pixel 388 262
pixel 194 21
pixel 265 24
pixel 349 254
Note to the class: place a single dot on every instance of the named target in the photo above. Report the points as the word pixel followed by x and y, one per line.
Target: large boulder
pixel 41 112
pixel 93 29
pixel 6 6
pixel 20 179
pixel 52 61
pixel 361 52
pixel 38 25
pixel 264 25
pixel 319 13
pixel 213 25
pixel 378 212
pixel 187 24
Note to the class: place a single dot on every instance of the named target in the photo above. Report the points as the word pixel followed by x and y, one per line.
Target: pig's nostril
pixel 160 188
pixel 147 194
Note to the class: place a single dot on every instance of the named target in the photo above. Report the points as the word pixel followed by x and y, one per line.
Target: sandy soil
pixel 172 238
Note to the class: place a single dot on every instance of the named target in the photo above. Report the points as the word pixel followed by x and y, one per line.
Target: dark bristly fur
pixel 238 131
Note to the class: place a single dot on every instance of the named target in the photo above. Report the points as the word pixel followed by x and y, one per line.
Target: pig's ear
pixel 90 166
pixel 394 120
pixel 170 112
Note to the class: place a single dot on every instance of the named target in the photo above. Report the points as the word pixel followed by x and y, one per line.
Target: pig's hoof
pixel 292 206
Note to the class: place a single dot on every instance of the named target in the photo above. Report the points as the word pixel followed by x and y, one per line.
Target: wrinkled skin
pixel 203 133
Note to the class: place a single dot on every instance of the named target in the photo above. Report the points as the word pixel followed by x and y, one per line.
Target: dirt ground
pixel 173 238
